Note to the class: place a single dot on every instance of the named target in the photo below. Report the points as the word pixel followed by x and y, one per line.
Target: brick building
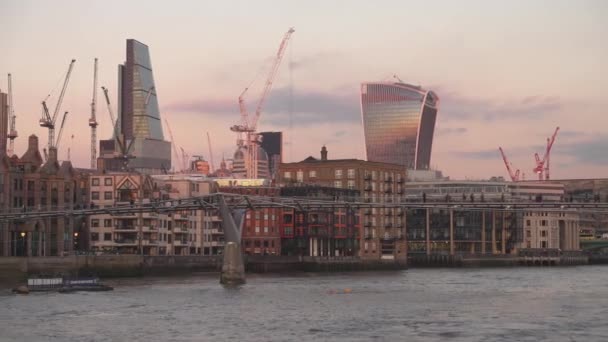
pixel 30 184
pixel 383 233
pixel 320 232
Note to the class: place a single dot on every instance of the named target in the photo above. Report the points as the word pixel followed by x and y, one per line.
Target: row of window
pixel 107 195
pixel 106 181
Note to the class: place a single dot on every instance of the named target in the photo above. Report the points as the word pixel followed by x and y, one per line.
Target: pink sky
pixel 507 73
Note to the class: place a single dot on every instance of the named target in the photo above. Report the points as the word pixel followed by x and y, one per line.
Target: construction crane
pixel 12 134
pixel 93 119
pixel 185 157
pixel 248 126
pixel 210 153
pixel 542 165
pixel 47 120
pixel 56 144
pixel 514 175
pixel 172 140
pixel 123 152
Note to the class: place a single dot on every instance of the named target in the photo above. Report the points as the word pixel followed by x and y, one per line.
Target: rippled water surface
pixel 509 304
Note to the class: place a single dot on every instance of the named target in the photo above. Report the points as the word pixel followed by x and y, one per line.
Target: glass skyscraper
pixel 138 116
pixel 398 123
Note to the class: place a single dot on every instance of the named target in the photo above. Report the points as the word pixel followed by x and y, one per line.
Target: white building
pixel 551 230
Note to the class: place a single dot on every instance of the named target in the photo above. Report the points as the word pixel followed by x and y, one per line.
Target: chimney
pixel 32 143
pixel 324 153
pixel 52 154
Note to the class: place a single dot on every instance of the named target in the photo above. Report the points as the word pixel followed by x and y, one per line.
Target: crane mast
pixel 93 119
pixel 12 134
pixel 47 120
pixel 513 175
pixel 123 149
pixel 210 153
pixel 172 140
pixel 248 125
pixel 542 165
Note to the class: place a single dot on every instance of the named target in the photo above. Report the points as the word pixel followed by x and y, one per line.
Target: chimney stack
pixel 323 153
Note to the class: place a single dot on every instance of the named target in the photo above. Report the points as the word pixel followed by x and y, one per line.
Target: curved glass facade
pixel 399 123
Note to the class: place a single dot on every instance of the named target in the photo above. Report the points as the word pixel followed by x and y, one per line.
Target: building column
pixel 29 240
pixel 483 232
pixel 310 246
pixel 428 231
pixel 404 232
pixel 503 238
pixel 451 231
pixel 493 231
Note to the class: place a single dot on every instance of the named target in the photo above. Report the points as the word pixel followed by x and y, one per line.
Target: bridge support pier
pixel 233 268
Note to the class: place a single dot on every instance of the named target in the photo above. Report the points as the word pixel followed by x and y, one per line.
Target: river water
pixel 506 304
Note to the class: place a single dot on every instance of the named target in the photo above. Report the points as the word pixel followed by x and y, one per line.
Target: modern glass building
pixel 138 116
pixel 399 123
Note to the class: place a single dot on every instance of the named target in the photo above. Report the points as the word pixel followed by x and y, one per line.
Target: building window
pixel 528 233
pixel 543 244
pixel 94 223
pixel 94 236
pixel 107 195
pixel 107 181
pixel 95 195
pixel 312 174
pixel 287 175
pixel 257 229
pixel 338 173
pixel 543 223
pixel 300 176
pixel 95 182
pixel 107 236
pixel 337 184
pixel 265 229
pixel 351 184
pixel 107 223
pixel 527 223
pixel 351 173
pixel 543 233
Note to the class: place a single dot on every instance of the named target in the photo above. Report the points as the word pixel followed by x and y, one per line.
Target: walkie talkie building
pixel 398 123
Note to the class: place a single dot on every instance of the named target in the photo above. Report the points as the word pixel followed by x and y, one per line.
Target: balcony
pixel 367 224
pixel 125 241
pixel 388 191
pixel 124 228
pixel 368 211
pixel 388 179
pixel 368 236
pixel 368 188
pixel 180 217
pixel 367 177
pixel 388 212
pixel 400 181
pixel 388 225
pixel 400 191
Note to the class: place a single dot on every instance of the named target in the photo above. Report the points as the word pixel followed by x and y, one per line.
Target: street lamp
pixel 22 234
pixel 75 234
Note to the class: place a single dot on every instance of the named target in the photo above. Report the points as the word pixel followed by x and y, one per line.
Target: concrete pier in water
pixel 233 269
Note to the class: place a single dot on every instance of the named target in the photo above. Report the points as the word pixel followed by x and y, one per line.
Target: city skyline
pixel 507 74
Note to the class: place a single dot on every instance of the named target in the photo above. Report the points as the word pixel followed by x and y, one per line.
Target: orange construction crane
pixel 542 165
pixel 514 175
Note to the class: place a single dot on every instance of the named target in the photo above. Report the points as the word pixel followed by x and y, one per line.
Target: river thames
pixel 507 304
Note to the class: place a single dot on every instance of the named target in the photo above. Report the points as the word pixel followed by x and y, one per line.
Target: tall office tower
pixel 138 116
pixel 272 143
pixel 398 122
pixel 3 122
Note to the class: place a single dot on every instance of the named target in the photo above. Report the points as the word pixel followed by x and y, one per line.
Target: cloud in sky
pixel 309 107
pixel 588 151
pixel 459 107
pixel 451 130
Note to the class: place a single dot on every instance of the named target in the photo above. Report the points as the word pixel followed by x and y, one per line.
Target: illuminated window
pixel 338 173
pixel 312 174
pixel 351 173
